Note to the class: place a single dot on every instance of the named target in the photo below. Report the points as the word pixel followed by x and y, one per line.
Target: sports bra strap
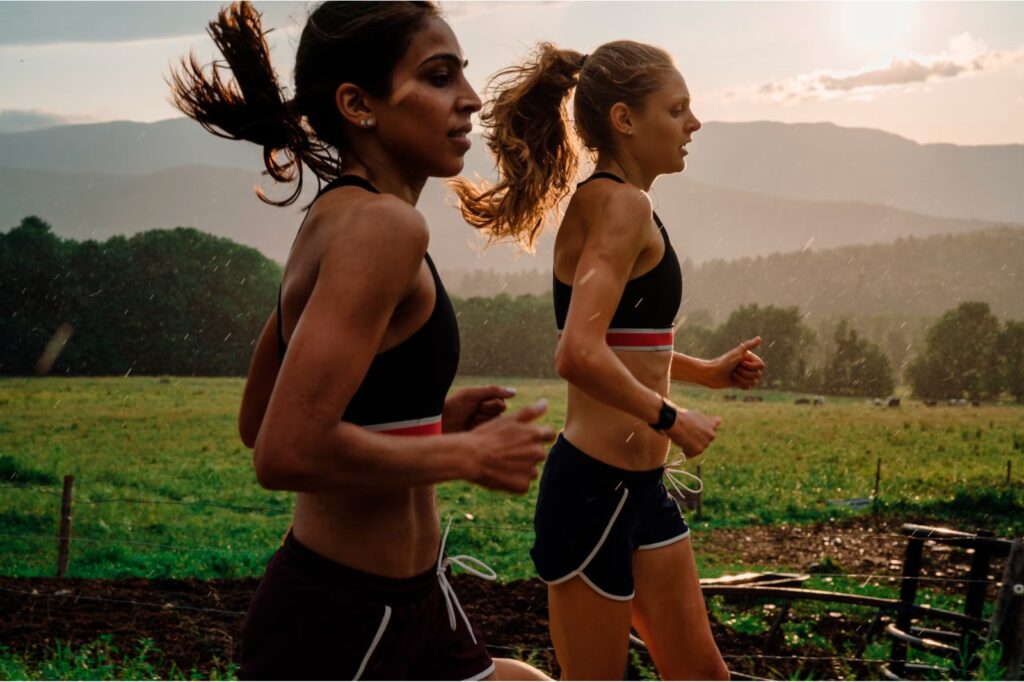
pixel 602 174
pixel 340 181
pixel 348 181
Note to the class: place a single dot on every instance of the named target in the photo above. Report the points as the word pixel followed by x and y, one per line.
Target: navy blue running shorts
pixel 592 516
pixel 315 619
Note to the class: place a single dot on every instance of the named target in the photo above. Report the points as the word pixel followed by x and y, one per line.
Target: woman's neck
pixel 626 168
pixel 388 177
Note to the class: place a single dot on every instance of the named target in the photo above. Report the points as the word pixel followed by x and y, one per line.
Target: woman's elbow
pixel 573 362
pixel 275 470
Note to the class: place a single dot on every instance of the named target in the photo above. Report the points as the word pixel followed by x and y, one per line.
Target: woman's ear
pixel 621 118
pixel 353 105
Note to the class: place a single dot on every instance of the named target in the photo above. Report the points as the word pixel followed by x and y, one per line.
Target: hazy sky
pixel 932 72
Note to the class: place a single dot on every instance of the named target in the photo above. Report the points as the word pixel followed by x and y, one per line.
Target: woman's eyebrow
pixel 455 59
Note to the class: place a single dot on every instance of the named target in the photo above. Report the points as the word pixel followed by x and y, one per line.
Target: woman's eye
pixel 440 80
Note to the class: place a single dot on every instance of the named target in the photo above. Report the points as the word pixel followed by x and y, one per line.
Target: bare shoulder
pixel 361 223
pixel 614 207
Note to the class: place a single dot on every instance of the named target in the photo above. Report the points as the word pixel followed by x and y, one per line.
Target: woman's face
pixel 425 120
pixel 664 127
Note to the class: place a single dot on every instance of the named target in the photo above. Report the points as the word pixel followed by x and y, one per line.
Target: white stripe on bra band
pixel 408 423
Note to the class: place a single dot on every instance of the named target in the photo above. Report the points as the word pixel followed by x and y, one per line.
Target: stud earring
pixel 367 122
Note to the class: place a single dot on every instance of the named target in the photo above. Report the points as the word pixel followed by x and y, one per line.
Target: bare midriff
pixel 394 534
pixel 616 437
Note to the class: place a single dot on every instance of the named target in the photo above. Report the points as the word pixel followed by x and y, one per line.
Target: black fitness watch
pixel 666 418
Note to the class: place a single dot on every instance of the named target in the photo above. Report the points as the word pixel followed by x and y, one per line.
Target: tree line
pixel 160 302
pixel 184 302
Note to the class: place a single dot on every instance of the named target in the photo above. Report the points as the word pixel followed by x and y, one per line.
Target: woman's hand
pixel 467 408
pixel 507 450
pixel 738 368
pixel 693 431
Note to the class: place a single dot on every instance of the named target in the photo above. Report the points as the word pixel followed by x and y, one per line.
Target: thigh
pixel 511 669
pixel 670 614
pixel 590 632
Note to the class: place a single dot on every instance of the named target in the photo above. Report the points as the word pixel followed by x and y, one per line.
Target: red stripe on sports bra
pixel 639 339
pixel 431 426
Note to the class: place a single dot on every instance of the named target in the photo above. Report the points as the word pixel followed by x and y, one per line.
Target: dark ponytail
pixel 342 42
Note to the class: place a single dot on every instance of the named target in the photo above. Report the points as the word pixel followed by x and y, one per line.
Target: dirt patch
pixel 196 623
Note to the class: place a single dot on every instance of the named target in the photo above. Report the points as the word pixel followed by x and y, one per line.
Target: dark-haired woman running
pixel 345 401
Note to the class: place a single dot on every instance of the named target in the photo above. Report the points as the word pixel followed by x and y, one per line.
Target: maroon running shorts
pixel 315 619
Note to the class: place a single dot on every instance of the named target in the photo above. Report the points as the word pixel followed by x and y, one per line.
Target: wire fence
pixel 518 650
pixel 464 524
pixel 467 522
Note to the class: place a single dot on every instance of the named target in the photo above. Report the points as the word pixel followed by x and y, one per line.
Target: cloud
pixel 24 24
pixel 22 120
pixel 964 56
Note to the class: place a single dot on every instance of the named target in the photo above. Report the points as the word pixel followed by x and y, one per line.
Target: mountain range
pixel 751 189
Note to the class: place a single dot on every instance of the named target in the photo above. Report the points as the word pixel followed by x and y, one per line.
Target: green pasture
pixel 164 488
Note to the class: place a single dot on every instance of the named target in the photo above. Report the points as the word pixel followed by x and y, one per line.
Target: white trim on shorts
pixel 584 578
pixel 665 543
pixel 485 673
pixel 593 553
pixel 375 642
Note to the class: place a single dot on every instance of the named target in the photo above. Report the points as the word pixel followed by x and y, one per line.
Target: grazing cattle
pixel 878 402
pixel 729 397
pixel 819 400
pixel 976 403
pixel 962 402
pixel 952 402
pixel 931 403
pixel 894 401
pixel 802 401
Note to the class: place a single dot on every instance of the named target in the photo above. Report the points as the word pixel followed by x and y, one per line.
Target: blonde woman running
pixel 610 542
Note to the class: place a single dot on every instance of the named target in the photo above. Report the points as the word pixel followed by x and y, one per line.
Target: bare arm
pixel 613 243
pixel 259 382
pixel 689 369
pixel 302 444
pixel 737 368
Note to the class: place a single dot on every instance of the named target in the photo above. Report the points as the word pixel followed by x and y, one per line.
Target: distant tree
pixel 695 334
pixel 507 336
pixel 161 302
pixel 1010 358
pixel 785 341
pixel 34 295
pixel 856 366
pixel 959 359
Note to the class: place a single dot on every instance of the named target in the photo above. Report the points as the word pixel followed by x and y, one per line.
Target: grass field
pixel 163 487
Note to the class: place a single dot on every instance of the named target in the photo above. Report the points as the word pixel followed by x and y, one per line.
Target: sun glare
pixel 882 26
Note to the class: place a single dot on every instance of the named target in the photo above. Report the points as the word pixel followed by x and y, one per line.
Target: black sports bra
pixel 404 388
pixel 645 316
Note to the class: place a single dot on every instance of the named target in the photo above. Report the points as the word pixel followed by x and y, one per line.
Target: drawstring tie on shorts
pixel 674 471
pixel 467 563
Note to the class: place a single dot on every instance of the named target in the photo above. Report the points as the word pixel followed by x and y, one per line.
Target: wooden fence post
pixel 1008 620
pixel 878 482
pixel 64 544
